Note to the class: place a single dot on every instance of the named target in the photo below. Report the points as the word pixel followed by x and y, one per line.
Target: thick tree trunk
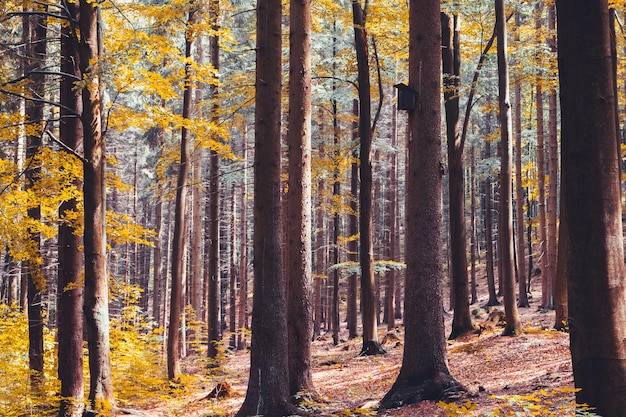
pixel 96 307
pixel 505 229
pixel 424 374
pixel 461 321
pixel 371 345
pixel 268 385
pixel 592 206
pixel 298 237
pixel 70 288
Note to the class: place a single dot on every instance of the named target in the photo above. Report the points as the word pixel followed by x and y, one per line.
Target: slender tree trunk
pixel 336 227
pixel 371 345
pixel 461 321
pixel 487 207
pixel 34 35
pixel 70 288
pixel 473 240
pixel 298 238
pixel 96 287
pixel 178 243
pixel 424 374
pixel 519 191
pixel 505 229
pixel 393 235
pixel 243 251
pixel 353 229
pixel 214 334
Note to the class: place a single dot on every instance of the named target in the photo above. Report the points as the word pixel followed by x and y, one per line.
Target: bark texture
pixel 592 207
pixel 424 374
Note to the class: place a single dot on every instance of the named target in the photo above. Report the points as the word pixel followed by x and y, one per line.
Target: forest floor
pixel 525 373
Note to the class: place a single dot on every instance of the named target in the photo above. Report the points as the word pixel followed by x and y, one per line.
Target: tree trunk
pixel 180 211
pixel 70 288
pixel 505 229
pixel 243 255
pixel 34 35
pixel 461 321
pixel 371 345
pixel 96 307
pixel 473 241
pixel 353 229
pixel 487 207
pixel 592 207
pixel 213 277
pixel 519 190
pixel 424 373
pixel 393 236
pixel 298 237
pixel 268 385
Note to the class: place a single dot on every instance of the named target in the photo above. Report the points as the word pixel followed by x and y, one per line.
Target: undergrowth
pixel 556 403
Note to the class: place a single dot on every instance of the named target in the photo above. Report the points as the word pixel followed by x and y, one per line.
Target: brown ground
pixel 487 364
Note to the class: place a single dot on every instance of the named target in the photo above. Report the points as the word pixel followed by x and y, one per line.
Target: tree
pixel 268 385
pixel 178 244
pixel 424 374
pixel 451 62
pixel 513 325
pixel 591 206
pixel 70 288
pixel 34 34
pixel 371 345
pixel 213 212
pixel 96 307
pixel 298 216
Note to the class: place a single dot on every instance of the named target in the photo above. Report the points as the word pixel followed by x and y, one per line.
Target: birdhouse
pixel 406 97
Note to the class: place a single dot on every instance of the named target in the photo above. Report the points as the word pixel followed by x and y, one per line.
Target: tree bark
pixel 353 228
pixel 371 345
pixel 268 385
pixel 70 287
pixel 461 321
pixel 96 307
pixel 213 278
pixel 180 211
pixel 592 206
pixel 243 255
pixel 298 237
pixel 424 374
pixel 505 230
pixel 519 190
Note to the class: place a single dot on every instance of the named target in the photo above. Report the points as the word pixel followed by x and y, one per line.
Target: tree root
pixel 443 387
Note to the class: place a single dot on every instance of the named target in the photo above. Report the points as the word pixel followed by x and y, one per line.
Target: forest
pixel 329 207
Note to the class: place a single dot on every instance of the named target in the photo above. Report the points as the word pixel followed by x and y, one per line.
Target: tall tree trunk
pixel 243 251
pixel 424 374
pixel 505 229
pixel 487 208
pixel 519 190
pixel 451 59
pixel 34 35
pixel 268 385
pixel 298 239
pixel 592 206
pixel 96 307
pixel 196 293
pixel 473 240
pixel 336 227
pixel 214 200
pixel 179 238
pixel 546 291
pixel 371 345
pixel 70 288
pixel 353 228
pixel 393 236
